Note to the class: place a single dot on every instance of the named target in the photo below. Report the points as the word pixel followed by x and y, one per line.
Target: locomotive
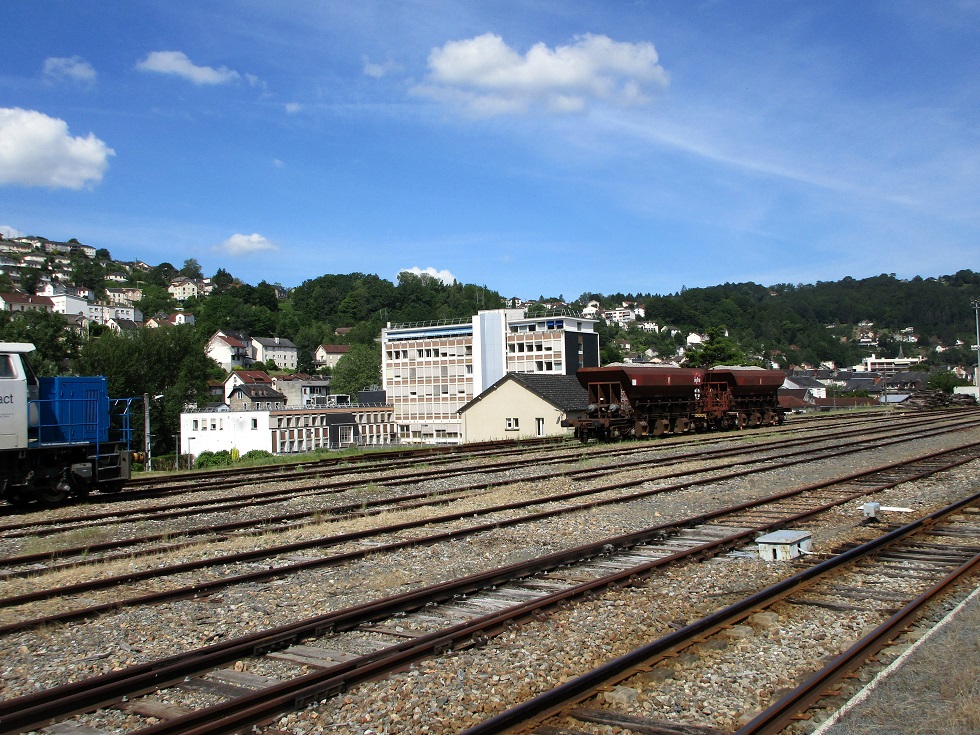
pixel 59 437
pixel 633 401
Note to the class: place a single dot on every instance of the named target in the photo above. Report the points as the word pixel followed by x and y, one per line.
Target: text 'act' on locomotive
pixel 59 437
pixel 634 401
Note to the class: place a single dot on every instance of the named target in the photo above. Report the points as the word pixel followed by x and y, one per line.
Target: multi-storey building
pixel 431 370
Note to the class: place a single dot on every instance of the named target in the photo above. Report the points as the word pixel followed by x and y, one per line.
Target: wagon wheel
pixel 53 492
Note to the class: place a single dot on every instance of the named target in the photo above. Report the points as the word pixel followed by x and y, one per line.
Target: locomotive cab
pixel 58 436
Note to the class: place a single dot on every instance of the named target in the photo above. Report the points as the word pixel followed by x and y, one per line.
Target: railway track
pixel 349 547
pixel 890 580
pixel 252 499
pixel 473 610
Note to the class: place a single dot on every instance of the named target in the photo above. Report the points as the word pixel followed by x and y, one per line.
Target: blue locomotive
pixel 59 437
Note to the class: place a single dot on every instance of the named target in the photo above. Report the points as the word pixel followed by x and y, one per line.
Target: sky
pixel 539 148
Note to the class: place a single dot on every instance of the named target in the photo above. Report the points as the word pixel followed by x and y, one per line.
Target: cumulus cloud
pixel 487 77
pixel 445 276
pixel 177 63
pixel 71 68
pixel 37 150
pixel 10 232
pixel 245 244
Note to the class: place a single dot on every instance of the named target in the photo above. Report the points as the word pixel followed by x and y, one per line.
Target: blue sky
pixel 537 148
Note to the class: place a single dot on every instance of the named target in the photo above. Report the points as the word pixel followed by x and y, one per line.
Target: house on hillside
pixel 230 349
pixel 278 349
pixel 329 355
pixel 19 302
pixel 255 396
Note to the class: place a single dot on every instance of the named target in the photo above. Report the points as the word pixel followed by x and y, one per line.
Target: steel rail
pixel 383 503
pixel 33 710
pixel 555 700
pixel 204 588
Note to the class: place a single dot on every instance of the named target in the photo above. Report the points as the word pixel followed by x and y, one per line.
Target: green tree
pixel 945 381
pixel 357 370
pixel 717 349
pixel 192 269
pixel 55 345
pixel 156 300
pixel 30 279
pixel 168 361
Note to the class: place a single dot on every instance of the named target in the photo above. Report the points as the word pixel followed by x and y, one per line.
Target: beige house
pixel 329 355
pixel 523 405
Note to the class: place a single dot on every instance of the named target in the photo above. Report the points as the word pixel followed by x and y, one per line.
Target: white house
pixel 278 349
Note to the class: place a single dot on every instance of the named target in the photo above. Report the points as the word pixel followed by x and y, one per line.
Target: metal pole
pixel 976 375
pixel 146 431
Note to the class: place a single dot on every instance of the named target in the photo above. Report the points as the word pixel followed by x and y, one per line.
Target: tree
pixel 55 345
pixel 357 370
pixel 30 279
pixel 716 350
pixel 168 361
pixel 222 279
pixel 945 381
pixel 192 269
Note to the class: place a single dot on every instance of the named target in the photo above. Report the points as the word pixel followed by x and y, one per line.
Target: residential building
pixel 70 305
pixel 329 355
pixel 522 405
pixel 430 370
pixel 170 320
pixel 287 430
pixel 102 313
pixel 183 288
pixel 255 396
pixel 230 349
pixel 246 377
pixel 25 302
pixel 278 349
pixel 303 391
pixel 885 365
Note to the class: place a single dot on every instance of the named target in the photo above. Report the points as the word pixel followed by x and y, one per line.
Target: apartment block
pixel 432 369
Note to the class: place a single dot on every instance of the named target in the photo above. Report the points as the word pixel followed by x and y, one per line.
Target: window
pixel 194 424
pixel 512 424
pixel 255 424
pixel 539 426
pixel 6 367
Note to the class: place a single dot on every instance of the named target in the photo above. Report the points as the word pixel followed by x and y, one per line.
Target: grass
pixel 935 692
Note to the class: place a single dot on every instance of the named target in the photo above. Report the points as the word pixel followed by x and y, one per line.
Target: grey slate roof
pixel 564 392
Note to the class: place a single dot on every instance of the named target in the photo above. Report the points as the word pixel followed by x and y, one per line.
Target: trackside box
pixel 73 410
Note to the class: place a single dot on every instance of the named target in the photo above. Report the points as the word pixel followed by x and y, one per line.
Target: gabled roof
pixel 22 298
pixel 253 377
pixel 335 349
pixel 564 392
pixel 273 342
pixel 804 381
pixel 258 392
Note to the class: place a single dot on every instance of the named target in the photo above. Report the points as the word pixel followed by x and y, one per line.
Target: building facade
pixel 286 430
pixel 431 370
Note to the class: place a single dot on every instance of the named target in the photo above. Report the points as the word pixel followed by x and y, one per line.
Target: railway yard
pixel 547 588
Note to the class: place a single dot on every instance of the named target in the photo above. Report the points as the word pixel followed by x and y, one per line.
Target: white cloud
pixel 177 63
pixel 10 232
pixel 445 276
pixel 73 68
pixel 487 77
pixel 276 163
pixel 245 244
pixel 377 71
pixel 293 107
pixel 37 150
